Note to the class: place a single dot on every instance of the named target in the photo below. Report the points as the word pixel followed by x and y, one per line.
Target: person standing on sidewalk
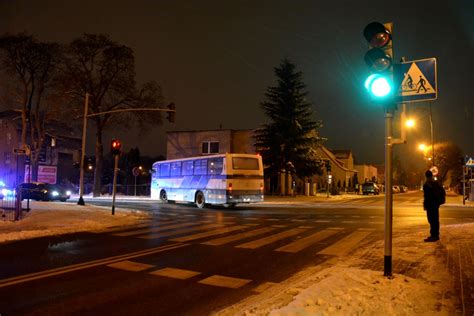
pixel 433 198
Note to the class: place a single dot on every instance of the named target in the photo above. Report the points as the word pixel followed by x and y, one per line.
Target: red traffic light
pixel 377 34
pixel 116 147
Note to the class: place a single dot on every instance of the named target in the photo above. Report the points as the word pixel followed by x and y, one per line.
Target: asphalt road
pixel 192 261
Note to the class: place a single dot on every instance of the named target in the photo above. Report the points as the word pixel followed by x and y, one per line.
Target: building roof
pixel 342 153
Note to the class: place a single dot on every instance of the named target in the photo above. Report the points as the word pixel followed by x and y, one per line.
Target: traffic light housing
pixel 115 147
pixel 328 165
pixel 171 113
pixel 379 59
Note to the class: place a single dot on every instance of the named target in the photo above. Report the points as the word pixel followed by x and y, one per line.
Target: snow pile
pixel 49 218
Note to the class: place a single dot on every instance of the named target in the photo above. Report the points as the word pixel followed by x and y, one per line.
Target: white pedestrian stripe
pixel 130 266
pixel 175 273
pixel 223 281
pixel 305 242
pixel 155 229
pixel 271 239
pixel 229 239
pixel 346 244
pixel 179 232
pixel 208 234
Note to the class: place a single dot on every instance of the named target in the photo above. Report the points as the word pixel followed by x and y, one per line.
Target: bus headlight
pixel 54 193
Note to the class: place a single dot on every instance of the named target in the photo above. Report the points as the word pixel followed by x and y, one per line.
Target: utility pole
pixel 83 151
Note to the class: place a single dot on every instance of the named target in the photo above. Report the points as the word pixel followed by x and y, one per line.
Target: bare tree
pixel 32 67
pixel 105 69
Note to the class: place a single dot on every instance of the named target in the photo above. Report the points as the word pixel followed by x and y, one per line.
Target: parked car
pixel 396 189
pixel 370 187
pixel 43 192
pixel 403 188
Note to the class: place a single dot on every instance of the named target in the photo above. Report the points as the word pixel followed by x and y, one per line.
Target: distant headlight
pixel 4 192
pixel 54 193
pixel 68 192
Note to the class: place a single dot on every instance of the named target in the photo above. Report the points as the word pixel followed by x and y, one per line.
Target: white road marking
pixel 210 233
pixel 270 239
pixel 175 273
pixel 305 242
pixel 345 244
pixel 179 232
pixel 229 239
pixel 154 229
pixel 130 266
pixel 223 281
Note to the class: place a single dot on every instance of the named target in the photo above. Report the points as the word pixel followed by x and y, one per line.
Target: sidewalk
pixel 428 279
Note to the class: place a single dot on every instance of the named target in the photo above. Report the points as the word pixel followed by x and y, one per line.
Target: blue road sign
pixel 416 80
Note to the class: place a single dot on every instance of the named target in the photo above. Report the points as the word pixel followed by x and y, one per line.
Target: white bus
pixel 225 179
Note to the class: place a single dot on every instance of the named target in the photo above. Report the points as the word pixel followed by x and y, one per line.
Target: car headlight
pixel 4 192
pixel 54 193
pixel 68 192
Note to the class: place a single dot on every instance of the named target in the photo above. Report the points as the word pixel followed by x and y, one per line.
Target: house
pixel 182 144
pixel 60 151
pixel 366 173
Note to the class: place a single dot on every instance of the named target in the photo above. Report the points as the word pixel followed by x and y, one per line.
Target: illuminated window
pixel 210 147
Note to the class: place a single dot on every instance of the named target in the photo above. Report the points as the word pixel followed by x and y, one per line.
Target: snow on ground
pixel 54 218
pixel 346 286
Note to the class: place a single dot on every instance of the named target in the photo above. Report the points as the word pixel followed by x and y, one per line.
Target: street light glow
pixel 410 123
pixel 422 147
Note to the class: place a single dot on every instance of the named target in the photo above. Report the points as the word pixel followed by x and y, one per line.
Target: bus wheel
pixel 163 196
pixel 200 200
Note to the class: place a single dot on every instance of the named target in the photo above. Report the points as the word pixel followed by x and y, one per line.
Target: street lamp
pixel 410 123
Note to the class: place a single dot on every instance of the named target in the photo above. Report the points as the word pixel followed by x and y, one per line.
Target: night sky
pixel 215 59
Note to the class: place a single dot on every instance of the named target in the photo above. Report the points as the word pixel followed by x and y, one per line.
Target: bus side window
pixel 176 168
pixel 200 167
pixel 188 168
pixel 215 165
pixel 165 170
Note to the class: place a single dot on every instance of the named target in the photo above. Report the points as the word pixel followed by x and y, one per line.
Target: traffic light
pixel 328 165
pixel 379 58
pixel 171 112
pixel 116 147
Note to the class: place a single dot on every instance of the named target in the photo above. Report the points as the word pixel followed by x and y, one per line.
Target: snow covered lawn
pixel 55 218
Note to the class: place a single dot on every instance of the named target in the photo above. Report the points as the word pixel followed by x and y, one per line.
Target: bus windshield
pixel 244 163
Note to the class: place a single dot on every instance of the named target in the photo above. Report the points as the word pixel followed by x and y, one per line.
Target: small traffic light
pixel 116 147
pixel 328 165
pixel 171 112
pixel 379 59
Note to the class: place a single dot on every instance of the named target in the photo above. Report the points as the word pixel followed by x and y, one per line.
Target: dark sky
pixel 215 59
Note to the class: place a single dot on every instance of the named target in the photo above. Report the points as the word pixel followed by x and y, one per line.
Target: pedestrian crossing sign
pixel 416 80
pixel 470 163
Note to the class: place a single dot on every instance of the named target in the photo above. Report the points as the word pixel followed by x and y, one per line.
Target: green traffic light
pixel 378 85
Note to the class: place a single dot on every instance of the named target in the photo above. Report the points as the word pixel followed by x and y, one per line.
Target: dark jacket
pixel 430 195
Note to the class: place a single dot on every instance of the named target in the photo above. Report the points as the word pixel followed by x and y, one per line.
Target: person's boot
pixel 431 239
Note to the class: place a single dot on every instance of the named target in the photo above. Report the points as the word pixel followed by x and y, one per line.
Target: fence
pixel 129 190
pixel 11 208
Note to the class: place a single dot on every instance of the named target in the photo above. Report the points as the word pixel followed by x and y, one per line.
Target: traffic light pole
pixel 388 192
pixel 114 188
pixel 83 151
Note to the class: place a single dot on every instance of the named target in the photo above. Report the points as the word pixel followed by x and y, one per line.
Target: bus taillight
pixel 261 188
pixel 230 188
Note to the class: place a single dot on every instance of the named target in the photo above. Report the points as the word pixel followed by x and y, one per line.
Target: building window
pixel 210 147
pixel 8 158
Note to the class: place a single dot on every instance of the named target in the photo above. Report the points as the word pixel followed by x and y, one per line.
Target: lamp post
pixel 83 151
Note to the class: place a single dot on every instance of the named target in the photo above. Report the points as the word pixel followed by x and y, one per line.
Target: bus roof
pixel 208 156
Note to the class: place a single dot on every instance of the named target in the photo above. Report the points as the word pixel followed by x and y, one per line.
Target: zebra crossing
pixel 253 233
pixel 285 239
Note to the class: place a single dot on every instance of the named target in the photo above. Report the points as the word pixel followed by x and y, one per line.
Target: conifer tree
pixel 290 138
